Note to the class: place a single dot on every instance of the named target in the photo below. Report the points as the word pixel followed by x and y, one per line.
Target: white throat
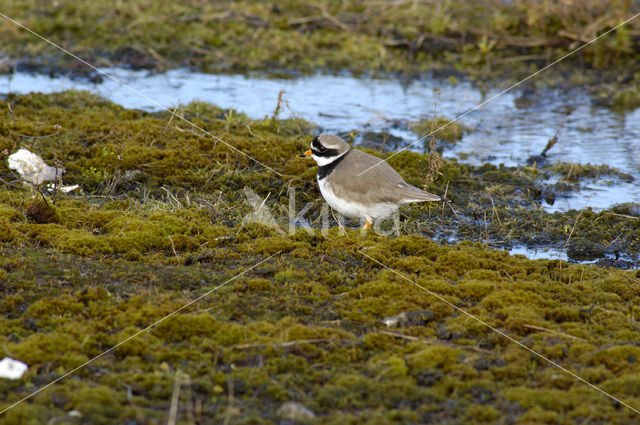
pixel 326 160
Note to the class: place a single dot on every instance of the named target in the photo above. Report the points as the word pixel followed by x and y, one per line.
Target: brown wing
pixel 375 185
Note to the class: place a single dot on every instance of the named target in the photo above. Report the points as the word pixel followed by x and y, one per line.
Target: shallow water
pixel 507 130
pixel 540 253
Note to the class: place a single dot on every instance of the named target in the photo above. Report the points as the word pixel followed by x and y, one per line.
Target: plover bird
pixel 360 185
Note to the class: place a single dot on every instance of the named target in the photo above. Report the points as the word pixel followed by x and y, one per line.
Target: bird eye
pixel 316 145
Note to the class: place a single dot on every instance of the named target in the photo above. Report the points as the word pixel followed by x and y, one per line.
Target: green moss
pixel 441 127
pixel 59 348
pixel 58 306
pixel 616 358
pixel 306 325
pixel 549 400
pixel 9 214
pixel 571 172
pixel 483 414
pixel 6 232
pixel 26 414
pixel 434 357
pixel 627 99
pixel 99 405
pixel 620 97
pixel 540 416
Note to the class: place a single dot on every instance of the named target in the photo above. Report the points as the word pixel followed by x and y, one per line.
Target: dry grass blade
pixel 617 215
pixel 175 397
pixel 435 161
pixel 431 341
pixel 573 229
pixel 282 344
pixel 559 333
pixel 493 206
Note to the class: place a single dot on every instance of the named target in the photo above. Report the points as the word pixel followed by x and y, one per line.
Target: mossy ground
pixel 487 40
pixel 160 222
pixel 442 128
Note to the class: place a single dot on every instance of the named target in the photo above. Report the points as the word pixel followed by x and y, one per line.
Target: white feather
pixel 325 160
pixel 355 209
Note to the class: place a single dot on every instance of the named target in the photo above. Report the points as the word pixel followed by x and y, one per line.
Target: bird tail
pixel 413 194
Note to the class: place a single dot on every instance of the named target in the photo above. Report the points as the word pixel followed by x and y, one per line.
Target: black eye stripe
pixel 316 145
pixel 326 153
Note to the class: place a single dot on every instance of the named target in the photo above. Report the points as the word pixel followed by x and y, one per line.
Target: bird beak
pixel 306 154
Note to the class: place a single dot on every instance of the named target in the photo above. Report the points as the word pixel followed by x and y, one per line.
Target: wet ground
pixel 511 129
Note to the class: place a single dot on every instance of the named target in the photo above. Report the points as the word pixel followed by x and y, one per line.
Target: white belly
pixel 355 209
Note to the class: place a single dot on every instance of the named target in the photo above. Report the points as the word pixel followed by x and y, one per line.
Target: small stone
pixel 293 411
pixel 131 174
pixel 409 318
pixel 12 369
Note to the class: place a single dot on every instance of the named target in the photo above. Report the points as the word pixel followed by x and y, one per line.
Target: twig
pixel 329 17
pixel 325 114
pixel 41 194
pixel 252 134
pixel 173 247
pixel 613 241
pixel 340 225
pixel 276 111
pixel 304 20
pixel 571 165
pixel 58 165
pixel 176 203
pixel 173 114
pixel 264 201
pixel 294 116
pixel 186 380
pixel 283 344
pixel 573 228
pixel 230 408
pixel 444 197
pixel 554 139
pixel 486 229
pixel 435 162
pixel 445 200
pixel 164 64
pixel 112 185
pixel 454 211
pixel 520 58
pixel 617 215
pixel 175 397
pixel 495 211
pixel 430 341
pixel 4 182
pixel 540 328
